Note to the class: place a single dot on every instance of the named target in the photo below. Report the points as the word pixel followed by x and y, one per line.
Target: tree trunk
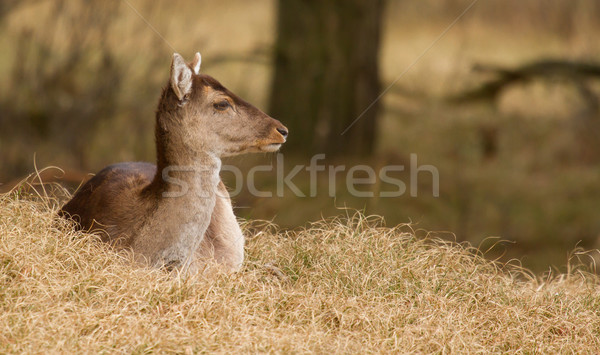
pixel 326 74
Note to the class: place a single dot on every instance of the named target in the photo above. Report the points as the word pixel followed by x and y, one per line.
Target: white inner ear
pixel 181 77
pixel 197 62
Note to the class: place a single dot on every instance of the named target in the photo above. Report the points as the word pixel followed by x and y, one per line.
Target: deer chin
pixel 273 147
pixel 259 148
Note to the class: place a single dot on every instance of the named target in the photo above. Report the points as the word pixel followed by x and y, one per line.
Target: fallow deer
pixel 177 213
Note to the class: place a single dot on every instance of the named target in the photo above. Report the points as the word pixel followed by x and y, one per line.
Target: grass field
pixel 346 285
pixel 81 80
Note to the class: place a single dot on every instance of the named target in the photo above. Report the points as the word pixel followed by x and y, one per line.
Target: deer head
pixel 200 115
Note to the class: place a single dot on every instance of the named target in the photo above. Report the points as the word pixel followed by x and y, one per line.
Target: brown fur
pixel 133 205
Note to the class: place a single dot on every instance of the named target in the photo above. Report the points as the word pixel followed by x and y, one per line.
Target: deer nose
pixel 283 132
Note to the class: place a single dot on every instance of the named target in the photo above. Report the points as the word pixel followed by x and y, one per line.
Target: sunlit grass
pixel 341 285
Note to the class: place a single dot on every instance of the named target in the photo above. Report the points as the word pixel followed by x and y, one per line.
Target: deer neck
pixel 184 191
pixel 191 180
pixel 182 174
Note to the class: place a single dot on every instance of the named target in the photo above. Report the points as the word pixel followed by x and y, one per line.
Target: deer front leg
pixel 223 241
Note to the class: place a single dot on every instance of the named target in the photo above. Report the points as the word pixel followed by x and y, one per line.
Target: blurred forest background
pixel 505 104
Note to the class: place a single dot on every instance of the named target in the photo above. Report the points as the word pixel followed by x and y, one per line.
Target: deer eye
pixel 222 105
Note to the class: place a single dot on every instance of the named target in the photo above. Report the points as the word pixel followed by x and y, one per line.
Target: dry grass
pixel 344 286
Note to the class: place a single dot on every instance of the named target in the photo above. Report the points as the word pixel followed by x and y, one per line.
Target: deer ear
pixel 181 77
pixel 196 63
